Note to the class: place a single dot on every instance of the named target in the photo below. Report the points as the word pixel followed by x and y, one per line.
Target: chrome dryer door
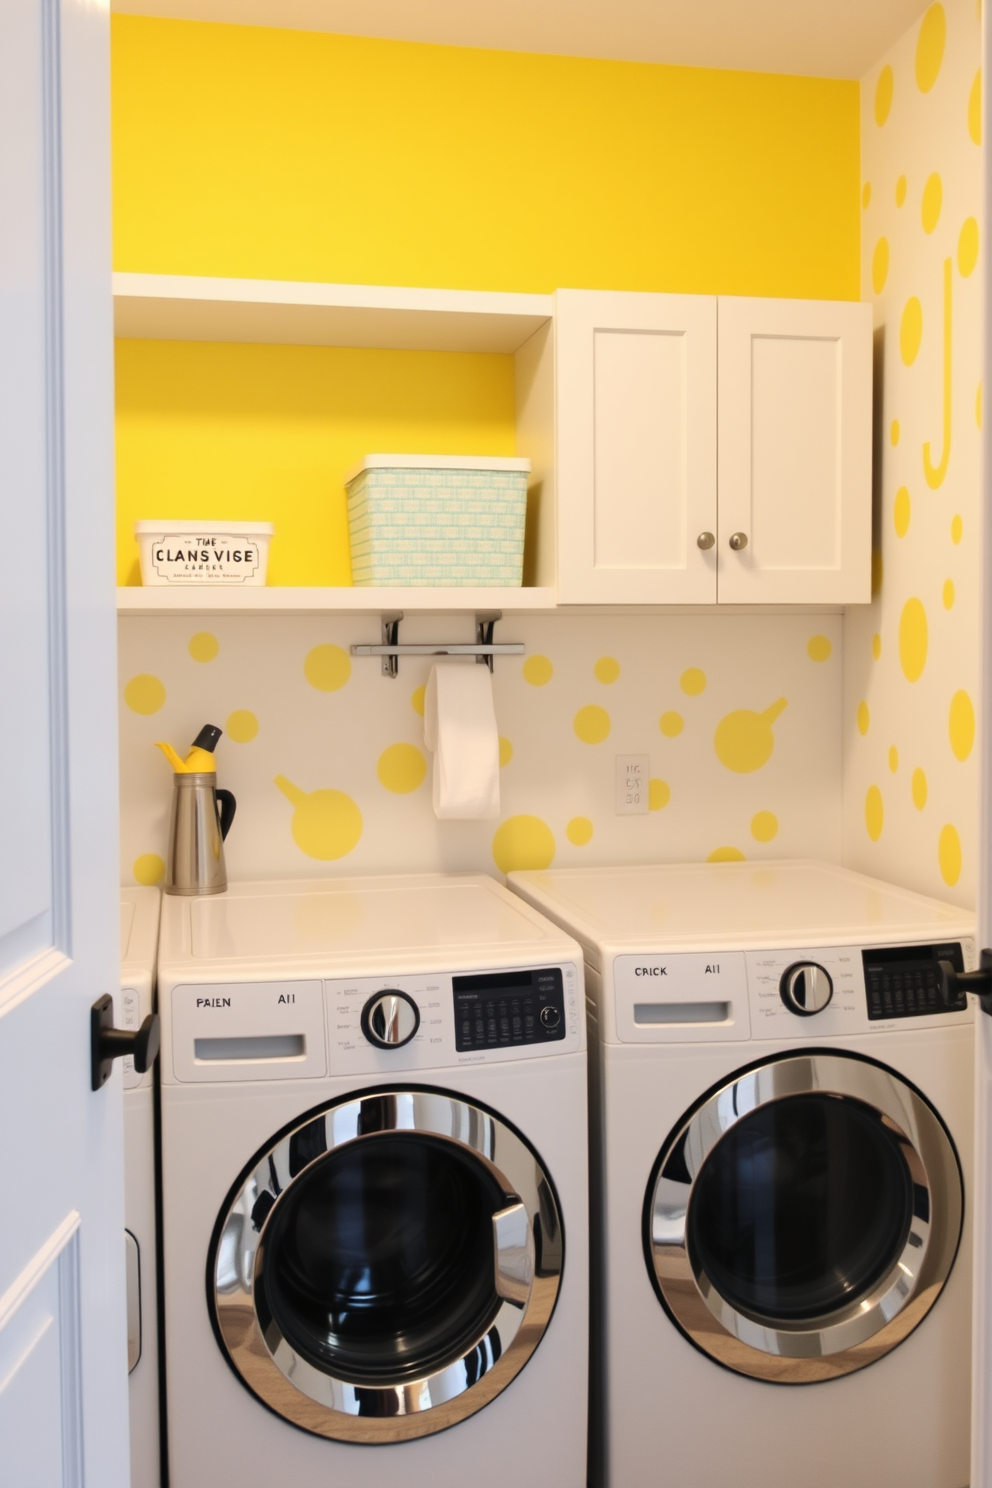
pixel 385 1268
pixel 804 1217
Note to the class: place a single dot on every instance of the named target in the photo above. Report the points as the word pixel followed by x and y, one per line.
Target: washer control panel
pixel 504 1010
pixel 455 1018
pixel 904 981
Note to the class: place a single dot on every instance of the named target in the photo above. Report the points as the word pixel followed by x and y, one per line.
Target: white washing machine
pixel 139 945
pixel 784 1131
pixel 375 1195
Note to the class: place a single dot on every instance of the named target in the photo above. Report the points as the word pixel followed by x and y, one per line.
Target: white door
pixel 63 1366
pixel 635 447
pixel 795 391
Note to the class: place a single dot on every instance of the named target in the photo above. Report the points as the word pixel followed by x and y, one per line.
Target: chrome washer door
pixel 385 1268
pixel 804 1217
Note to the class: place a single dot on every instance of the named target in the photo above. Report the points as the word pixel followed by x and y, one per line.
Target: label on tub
pixel 214 559
pixel 688 998
pixel 228 1031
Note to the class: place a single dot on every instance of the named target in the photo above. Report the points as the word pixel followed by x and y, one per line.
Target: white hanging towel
pixel 460 728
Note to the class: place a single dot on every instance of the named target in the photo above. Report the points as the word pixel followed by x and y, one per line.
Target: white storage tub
pixel 203 552
pixel 437 520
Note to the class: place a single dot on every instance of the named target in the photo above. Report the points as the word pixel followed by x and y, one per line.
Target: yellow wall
pixel 295 155
pixel 911 660
pixel 248 152
pixel 267 433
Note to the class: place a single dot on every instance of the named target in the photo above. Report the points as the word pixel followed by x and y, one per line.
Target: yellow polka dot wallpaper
pixel 911 659
pixel 738 716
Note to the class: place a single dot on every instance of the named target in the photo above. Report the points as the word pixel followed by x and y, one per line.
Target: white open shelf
pixel 201 600
pixel 178 307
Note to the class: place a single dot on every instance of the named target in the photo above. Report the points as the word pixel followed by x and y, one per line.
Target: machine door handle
pixel 108 1043
pixel 953 983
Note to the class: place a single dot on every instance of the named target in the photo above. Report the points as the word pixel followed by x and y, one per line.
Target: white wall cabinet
pixel 712 450
pixel 636 404
pixel 794 451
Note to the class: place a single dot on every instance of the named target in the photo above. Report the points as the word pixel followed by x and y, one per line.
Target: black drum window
pixel 801 1208
pixel 378 1262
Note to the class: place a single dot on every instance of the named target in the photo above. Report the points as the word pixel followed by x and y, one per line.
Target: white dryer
pixel 139 945
pixel 374 1159
pixel 784 1109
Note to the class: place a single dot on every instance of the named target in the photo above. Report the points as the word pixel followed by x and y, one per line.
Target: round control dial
pixel 806 988
pixel 390 1019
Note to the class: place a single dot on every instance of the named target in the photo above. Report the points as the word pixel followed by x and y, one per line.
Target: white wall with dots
pixel 911 660
pixel 740 715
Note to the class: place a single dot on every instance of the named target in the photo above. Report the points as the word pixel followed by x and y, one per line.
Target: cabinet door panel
pixel 794 451
pixel 636 446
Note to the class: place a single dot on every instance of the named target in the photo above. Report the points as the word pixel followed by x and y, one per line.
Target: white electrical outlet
pixel 633 771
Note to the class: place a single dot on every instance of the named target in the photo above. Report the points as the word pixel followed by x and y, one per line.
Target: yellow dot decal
pixel 975 109
pixel 203 646
pixel 417 700
pixel 401 768
pixel 911 331
pixel 930 47
pixel 894 432
pixel 876 646
pixel 744 740
pixel 326 824
pixel 900 191
pixel 933 200
pixel 726 855
pixel 893 758
pixel 693 682
pixel 866 194
pixel 948 594
pixel 968 247
pixel 144 694
pixel 818 648
pixel 883 95
pixel 241 726
pixel 592 724
pixel 327 668
pixel 913 640
pixel 523 842
pixel 864 718
pixel 880 265
pixel 671 725
pixel 579 831
pixel 874 813
pixel 901 511
pixel 978 406
pixel 505 751
pixel 607 669
pixel 538 671
pixel 659 794
pixel 764 826
pixel 949 855
pixel 957 530
pixel 919 789
pixel 961 725
pixel 148 869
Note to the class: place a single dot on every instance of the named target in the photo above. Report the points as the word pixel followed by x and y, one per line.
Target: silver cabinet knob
pixel 805 988
pixel 390 1019
pixel 705 540
pixel 738 541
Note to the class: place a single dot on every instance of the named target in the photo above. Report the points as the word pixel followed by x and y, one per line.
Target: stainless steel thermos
pixel 201 819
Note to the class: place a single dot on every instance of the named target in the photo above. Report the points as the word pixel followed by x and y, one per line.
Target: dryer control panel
pixel 464 1018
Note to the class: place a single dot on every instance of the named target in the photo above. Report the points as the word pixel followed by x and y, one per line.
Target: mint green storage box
pixel 437 520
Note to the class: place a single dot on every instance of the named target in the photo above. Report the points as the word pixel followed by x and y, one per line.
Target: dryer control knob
pixel 390 1019
pixel 806 988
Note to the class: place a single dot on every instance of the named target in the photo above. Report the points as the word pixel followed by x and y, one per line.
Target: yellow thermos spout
pixel 200 759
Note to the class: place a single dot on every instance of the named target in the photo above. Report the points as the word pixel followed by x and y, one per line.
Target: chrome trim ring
pixel 791 1351
pixel 527 1253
